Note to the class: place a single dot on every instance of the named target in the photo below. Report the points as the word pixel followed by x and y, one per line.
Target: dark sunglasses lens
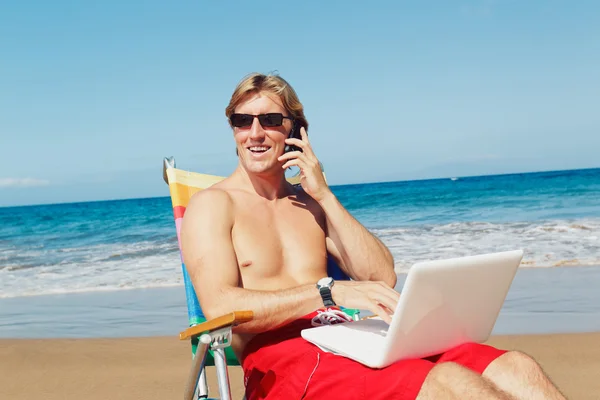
pixel 271 119
pixel 241 120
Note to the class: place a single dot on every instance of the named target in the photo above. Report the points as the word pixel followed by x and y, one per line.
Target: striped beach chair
pixel 210 340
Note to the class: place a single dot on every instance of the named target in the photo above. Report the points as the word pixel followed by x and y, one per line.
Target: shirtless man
pixel 255 242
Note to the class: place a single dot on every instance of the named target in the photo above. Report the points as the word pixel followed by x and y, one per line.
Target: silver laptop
pixel 443 304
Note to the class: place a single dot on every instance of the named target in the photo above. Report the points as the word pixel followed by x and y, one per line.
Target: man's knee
pixel 522 362
pixel 441 381
pixel 450 372
pixel 451 380
pixel 448 368
pixel 516 363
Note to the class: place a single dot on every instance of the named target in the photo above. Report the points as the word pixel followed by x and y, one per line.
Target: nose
pixel 256 130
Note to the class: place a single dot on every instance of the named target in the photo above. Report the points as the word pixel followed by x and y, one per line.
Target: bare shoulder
pixel 213 195
pixel 214 202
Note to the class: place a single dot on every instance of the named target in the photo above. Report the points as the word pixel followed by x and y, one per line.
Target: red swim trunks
pixel 280 364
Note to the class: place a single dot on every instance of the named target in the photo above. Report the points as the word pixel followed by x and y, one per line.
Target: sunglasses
pixel 266 120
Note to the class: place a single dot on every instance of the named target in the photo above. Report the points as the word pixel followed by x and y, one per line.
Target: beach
pixel 156 367
pixel 124 344
pixel 92 302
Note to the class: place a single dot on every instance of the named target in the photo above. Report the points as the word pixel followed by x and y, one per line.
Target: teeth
pixel 259 148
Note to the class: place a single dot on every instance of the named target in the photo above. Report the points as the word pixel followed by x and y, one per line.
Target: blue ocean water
pixel 126 244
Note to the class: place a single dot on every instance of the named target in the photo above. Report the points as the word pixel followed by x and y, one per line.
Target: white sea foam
pixel 546 244
pixel 97 268
pixel 150 264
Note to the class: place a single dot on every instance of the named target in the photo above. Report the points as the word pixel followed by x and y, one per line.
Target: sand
pixel 156 367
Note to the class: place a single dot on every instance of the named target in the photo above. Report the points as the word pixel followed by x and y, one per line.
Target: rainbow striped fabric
pixel 182 186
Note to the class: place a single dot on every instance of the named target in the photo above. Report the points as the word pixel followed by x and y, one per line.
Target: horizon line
pixel 331 186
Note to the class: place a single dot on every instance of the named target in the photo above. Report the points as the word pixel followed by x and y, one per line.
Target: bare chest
pixel 278 246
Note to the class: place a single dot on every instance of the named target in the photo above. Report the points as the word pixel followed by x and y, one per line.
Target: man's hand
pixel 311 176
pixel 376 297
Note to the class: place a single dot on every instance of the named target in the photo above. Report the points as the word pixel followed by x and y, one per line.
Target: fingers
pixel 390 291
pixel 290 163
pixel 302 159
pixel 381 312
pixel 383 303
pixel 291 154
pixel 376 297
pixel 298 143
pixel 386 301
pixel 304 135
pixel 303 143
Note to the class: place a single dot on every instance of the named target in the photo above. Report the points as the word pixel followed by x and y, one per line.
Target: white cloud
pixel 22 182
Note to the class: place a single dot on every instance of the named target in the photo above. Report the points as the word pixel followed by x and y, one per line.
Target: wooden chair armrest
pixel 231 319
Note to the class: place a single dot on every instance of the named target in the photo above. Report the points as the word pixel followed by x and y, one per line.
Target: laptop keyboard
pixel 363 331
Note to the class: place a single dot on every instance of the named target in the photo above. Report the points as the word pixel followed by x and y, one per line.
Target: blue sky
pixel 94 94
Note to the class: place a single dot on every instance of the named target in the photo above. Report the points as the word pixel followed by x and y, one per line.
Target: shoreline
pixel 553 300
pixel 400 273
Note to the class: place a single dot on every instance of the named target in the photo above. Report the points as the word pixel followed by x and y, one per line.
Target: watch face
pixel 325 281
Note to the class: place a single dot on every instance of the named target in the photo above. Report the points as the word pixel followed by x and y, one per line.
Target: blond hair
pixel 255 83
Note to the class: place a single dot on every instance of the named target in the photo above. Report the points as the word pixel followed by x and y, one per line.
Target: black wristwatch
pixel 324 285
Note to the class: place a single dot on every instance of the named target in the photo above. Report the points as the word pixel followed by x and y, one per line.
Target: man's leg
pixel 449 380
pixel 519 375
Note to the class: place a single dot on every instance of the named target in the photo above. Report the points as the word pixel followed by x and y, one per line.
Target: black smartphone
pixel 294 133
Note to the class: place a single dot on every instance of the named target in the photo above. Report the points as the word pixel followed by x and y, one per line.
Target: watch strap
pixel 326 296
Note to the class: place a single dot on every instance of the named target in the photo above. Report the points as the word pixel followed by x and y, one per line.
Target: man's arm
pixel 211 262
pixel 363 256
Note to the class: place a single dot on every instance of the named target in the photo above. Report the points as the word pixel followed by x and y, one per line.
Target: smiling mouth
pixel 258 149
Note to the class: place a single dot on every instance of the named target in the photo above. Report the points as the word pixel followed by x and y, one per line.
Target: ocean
pixel 108 247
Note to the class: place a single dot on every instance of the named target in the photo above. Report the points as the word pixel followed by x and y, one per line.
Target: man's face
pixel 258 147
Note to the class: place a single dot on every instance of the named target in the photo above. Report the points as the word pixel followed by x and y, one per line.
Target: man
pixel 255 242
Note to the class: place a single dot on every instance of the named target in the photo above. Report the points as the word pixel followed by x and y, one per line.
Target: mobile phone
pixel 294 133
